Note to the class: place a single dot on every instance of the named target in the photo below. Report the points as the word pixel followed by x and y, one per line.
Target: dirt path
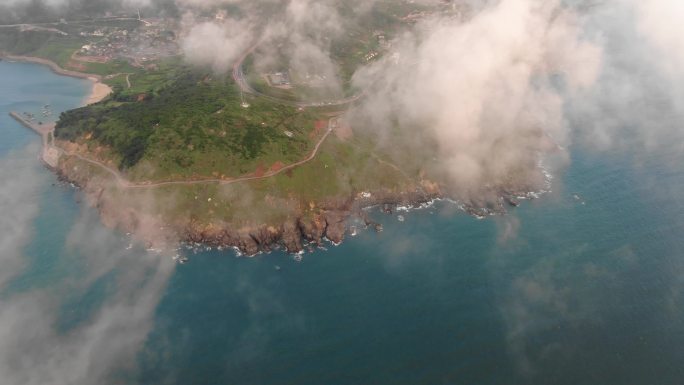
pixel 47 131
pixel 385 162
pixel 50 148
pixel 145 185
pixel 128 77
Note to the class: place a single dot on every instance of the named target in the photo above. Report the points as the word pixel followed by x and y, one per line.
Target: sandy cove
pixel 98 92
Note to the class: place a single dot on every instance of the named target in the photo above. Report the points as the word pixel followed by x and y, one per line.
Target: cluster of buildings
pixel 445 7
pixel 371 55
pixel 155 40
pixel 279 79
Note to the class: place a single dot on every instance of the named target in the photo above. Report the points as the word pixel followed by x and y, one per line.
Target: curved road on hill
pixel 239 77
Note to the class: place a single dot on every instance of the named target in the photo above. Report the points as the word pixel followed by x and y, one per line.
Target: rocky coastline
pixel 332 221
pixel 329 223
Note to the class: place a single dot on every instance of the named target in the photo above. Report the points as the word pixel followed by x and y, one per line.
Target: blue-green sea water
pixel 582 286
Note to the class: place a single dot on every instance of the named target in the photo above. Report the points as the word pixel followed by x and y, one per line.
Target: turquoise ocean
pixel 582 286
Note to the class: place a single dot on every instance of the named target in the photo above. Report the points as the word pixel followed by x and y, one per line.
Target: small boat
pixel 401 218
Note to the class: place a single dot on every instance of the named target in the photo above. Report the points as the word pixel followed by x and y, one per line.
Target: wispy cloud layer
pixel 34 348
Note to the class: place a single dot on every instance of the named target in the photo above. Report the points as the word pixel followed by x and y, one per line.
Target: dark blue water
pixel 583 286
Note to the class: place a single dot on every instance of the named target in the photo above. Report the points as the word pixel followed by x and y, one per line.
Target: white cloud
pixel 481 92
pixel 32 348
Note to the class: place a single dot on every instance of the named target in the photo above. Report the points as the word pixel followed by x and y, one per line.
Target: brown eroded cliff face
pixel 306 223
pixel 290 234
pixel 329 221
pixel 151 215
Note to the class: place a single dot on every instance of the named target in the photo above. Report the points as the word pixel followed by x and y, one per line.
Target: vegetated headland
pixel 170 152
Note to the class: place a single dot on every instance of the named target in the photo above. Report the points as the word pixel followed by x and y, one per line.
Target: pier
pixel 50 153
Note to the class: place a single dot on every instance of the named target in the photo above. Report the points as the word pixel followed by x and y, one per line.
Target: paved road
pixel 239 77
pixel 72 22
pixel 34 27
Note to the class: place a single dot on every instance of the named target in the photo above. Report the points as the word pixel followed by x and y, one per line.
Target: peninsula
pixel 256 158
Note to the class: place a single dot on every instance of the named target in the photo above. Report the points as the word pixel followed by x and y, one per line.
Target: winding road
pixel 46 131
pixel 73 22
pixel 128 77
pixel 226 181
pixel 241 81
pixel 238 75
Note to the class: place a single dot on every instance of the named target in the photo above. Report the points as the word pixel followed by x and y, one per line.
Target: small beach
pixel 98 92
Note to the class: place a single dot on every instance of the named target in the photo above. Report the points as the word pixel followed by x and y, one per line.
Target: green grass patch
pixel 180 124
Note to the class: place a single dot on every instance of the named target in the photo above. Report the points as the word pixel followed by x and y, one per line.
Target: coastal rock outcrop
pixel 327 221
pixel 336 225
pixel 323 220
